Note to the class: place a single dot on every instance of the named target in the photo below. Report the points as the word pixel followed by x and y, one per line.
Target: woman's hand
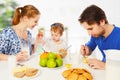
pixel 22 56
pixel 40 38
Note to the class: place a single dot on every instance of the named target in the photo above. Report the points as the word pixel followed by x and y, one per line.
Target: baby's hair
pixel 57 27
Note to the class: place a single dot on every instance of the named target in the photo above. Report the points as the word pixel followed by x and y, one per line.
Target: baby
pixel 55 43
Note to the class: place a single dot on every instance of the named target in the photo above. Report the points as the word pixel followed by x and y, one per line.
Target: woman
pixel 13 38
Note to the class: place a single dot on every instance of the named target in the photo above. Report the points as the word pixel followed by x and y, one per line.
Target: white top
pixel 50 45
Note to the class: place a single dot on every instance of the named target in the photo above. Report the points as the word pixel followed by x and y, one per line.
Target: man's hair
pixel 92 14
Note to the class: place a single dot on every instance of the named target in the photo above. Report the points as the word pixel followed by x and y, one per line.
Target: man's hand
pixel 85 50
pixel 96 64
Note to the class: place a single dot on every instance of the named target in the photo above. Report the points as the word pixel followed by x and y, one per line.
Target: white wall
pixel 68 12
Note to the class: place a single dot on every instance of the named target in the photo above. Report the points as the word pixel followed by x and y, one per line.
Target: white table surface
pixel 47 73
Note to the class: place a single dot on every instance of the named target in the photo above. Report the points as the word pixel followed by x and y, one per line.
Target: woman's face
pixel 32 22
pixel 94 30
pixel 55 36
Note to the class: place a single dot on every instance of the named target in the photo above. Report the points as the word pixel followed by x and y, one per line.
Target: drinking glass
pixel 112 64
pixel 74 57
pixel 11 65
pixel 25 48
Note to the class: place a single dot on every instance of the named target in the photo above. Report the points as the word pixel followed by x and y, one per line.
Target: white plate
pixel 52 68
pixel 38 73
pixel 28 78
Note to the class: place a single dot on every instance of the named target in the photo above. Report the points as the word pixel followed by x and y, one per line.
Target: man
pixel 104 35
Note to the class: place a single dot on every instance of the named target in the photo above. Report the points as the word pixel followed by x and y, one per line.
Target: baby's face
pixel 55 36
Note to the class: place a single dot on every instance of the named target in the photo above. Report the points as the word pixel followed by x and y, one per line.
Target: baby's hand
pixel 63 52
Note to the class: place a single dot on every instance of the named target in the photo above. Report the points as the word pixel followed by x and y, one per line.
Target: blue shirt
pixel 111 42
pixel 10 44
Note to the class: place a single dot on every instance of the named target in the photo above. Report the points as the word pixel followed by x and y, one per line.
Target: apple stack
pixel 50 60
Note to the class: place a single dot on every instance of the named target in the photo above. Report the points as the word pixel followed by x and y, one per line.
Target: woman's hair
pixel 27 10
pixel 93 14
pixel 57 27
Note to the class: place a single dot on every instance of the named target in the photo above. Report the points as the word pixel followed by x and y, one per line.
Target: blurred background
pixel 64 11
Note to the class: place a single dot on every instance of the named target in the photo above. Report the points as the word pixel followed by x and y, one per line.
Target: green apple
pixel 51 55
pixel 51 63
pixel 43 62
pixel 59 62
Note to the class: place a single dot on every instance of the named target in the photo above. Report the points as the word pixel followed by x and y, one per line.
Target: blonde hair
pixel 57 27
pixel 27 10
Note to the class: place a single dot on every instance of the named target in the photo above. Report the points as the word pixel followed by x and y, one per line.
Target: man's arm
pixel 91 43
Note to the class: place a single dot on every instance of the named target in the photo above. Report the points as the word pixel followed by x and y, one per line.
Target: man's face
pixel 94 30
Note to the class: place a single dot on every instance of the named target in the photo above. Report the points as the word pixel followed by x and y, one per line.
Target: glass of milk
pixel 74 56
pixel 25 48
pixel 11 65
pixel 112 64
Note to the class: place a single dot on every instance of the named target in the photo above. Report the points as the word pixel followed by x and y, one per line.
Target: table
pixel 46 73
